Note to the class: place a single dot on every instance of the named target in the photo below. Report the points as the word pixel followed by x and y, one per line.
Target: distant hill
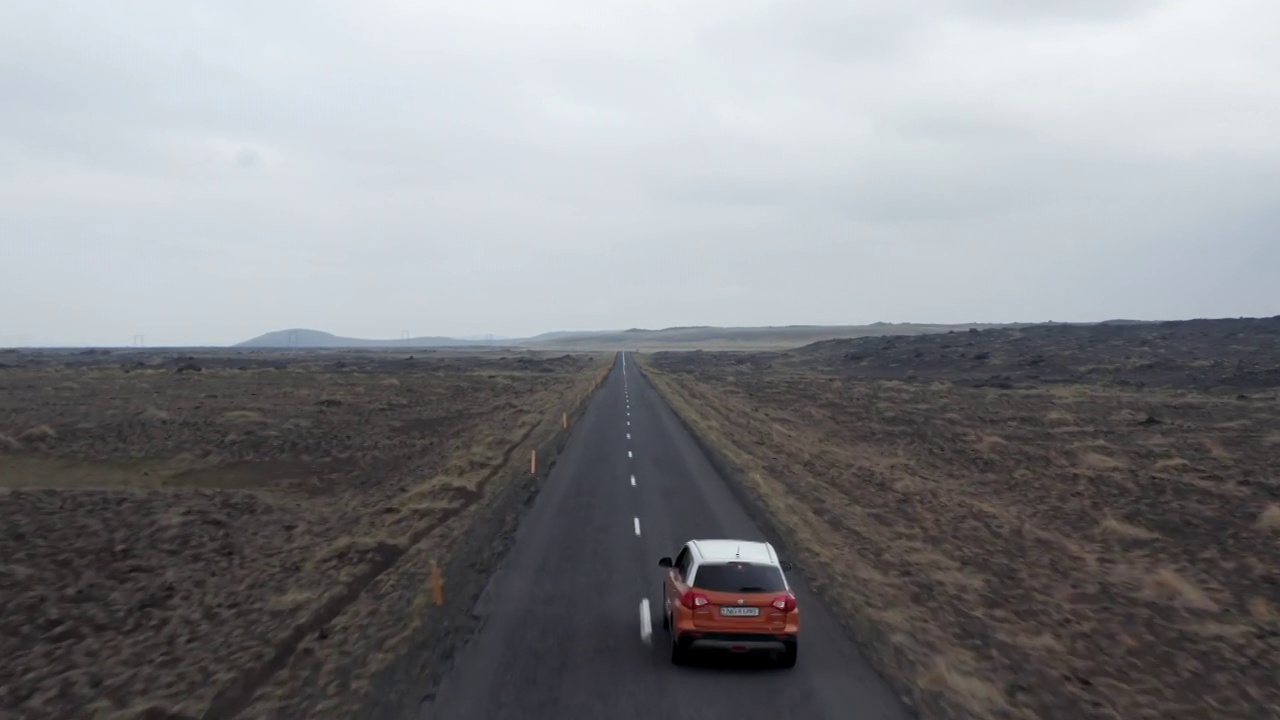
pixel 728 338
pixel 303 338
pixel 692 337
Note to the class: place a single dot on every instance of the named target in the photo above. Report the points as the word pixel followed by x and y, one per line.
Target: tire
pixel 679 653
pixel 787 658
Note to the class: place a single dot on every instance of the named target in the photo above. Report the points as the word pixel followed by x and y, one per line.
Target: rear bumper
pixel 738 642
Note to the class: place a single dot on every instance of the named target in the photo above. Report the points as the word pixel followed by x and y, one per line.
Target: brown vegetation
pixel 244 533
pixel 1049 522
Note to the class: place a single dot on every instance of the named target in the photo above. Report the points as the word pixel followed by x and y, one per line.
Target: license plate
pixel 740 611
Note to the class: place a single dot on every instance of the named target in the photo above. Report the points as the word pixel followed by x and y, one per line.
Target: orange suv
pixel 729 595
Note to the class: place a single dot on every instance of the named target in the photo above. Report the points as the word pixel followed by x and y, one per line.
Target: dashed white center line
pixel 628 423
pixel 646 622
pixel 633 481
pixel 629 453
pixel 628 436
pixel 637 526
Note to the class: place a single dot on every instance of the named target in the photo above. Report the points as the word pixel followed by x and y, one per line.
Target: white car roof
pixel 726 550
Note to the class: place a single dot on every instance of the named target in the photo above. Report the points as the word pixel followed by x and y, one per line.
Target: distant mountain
pixel 712 337
pixel 689 337
pixel 304 338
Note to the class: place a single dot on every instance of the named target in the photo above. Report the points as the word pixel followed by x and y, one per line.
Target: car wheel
pixel 787 658
pixel 679 653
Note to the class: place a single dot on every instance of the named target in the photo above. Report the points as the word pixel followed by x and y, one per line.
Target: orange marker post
pixel 533 462
pixel 437 584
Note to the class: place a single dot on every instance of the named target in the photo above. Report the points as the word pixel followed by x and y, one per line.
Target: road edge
pixel 876 645
pixel 398 691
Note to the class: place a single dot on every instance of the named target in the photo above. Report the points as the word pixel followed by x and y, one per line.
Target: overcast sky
pixel 202 172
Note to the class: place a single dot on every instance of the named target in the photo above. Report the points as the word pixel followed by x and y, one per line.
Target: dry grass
pixel 1097 461
pixel 1021 553
pixel 38 433
pixel 1215 448
pixel 1269 519
pixel 167 534
pixel 1169 585
pixel 243 416
pixel 990 443
pixel 957 680
pixel 1120 528
pixel 1263 611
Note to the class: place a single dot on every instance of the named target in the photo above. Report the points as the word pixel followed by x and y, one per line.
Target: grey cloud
pixel 248 158
pixel 513 168
pixel 827 29
pixel 1057 10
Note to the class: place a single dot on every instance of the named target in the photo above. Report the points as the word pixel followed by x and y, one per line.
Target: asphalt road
pixel 561 634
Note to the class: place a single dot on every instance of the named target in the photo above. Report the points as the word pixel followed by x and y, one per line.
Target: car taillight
pixel 785 603
pixel 691 599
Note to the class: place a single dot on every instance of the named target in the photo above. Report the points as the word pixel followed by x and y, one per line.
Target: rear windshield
pixel 742 577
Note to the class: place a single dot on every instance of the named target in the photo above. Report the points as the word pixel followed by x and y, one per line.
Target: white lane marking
pixel 646 622
pixel 628 436
pixel 628 423
pixel 637 526
pixel 628 453
pixel 633 481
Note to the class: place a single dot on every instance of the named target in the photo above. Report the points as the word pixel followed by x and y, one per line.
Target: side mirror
pixel 786 565
pixel 664 562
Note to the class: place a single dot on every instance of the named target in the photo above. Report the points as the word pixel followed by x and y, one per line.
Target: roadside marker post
pixel 533 462
pixel 565 420
pixel 437 584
